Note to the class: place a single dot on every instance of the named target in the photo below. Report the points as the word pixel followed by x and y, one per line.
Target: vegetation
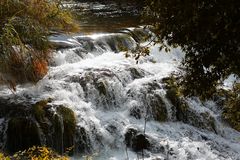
pixel 173 93
pixel 3 157
pixel 208 31
pixel 35 153
pixel 231 110
pixel 24 29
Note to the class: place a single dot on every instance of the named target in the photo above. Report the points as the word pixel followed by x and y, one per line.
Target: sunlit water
pixel 90 60
pixel 73 79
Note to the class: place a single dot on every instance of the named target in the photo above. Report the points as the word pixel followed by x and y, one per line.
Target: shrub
pixel 24 29
pixel 231 109
pixel 38 153
pixel 3 157
pixel 207 31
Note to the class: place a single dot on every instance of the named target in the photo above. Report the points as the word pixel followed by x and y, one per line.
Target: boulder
pixel 22 133
pixel 38 124
pixel 136 140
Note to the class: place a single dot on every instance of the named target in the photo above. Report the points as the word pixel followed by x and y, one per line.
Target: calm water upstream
pixel 108 16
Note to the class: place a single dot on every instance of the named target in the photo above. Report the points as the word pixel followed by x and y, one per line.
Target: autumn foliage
pixel 35 153
pixel 24 29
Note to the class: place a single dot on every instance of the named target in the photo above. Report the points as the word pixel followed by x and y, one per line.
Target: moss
pixel 173 94
pixel 69 125
pixel 39 109
pixel 231 113
pixel 159 109
pixel 231 106
pixel 68 116
pixel 208 122
pixel 173 91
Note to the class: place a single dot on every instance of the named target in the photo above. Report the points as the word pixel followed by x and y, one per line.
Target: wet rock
pixel 22 133
pixel 136 140
pixel 136 73
pixel 205 138
pixel 101 87
pixel 37 124
pixel 39 109
pixel 69 125
pixel 158 107
pixel 131 132
pixel 136 112
pixel 150 103
pixel 203 120
pixel 140 142
pixel 184 112
pixel 83 144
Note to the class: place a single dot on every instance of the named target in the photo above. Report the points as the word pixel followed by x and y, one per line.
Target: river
pixel 122 108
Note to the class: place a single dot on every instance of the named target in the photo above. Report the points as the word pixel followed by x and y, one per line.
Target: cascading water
pixel 121 108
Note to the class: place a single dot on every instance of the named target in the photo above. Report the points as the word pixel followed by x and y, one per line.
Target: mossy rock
pixel 69 118
pixel 183 112
pixel 208 122
pixel 131 132
pixel 59 128
pixel 69 125
pixel 37 124
pixel 231 113
pixel 173 94
pixel 173 91
pixel 102 88
pixel 39 109
pixel 22 133
pixel 159 110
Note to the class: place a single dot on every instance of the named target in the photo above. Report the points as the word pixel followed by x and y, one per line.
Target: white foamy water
pixel 101 86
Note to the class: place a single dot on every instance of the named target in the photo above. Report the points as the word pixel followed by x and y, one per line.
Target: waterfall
pixel 97 101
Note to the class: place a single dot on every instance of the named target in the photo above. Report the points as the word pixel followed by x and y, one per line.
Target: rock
pixel 183 112
pixel 69 125
pixel 136 73
pixel 136 112
pixel 83 144
pixel 22 133
pixel 140 142
pixel 101 87
pixel 150 103
pixel 158 107
pixel 131 132
pixel 39 109
pixel 37 124
pixel 135 140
